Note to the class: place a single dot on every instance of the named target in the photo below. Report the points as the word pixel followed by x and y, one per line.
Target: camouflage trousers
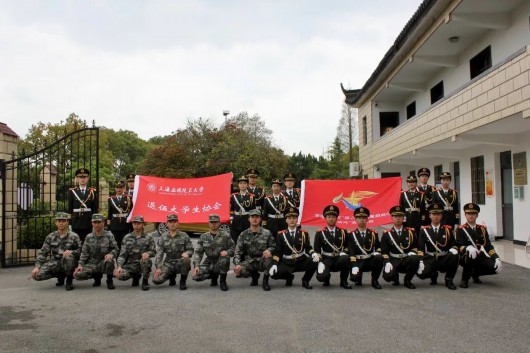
pixel 255 265
pixel 57 268
pixel 142 267
pixel 215 267
pixel 91 269
pixel 168 269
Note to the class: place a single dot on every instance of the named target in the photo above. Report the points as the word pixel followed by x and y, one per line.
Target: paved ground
pixel 38 317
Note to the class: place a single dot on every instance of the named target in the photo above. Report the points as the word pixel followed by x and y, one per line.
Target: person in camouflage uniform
pixel 137 248
pixel 62 246
pixel 178 250
pixel 254 252
pixel 218 247
pixel 98 254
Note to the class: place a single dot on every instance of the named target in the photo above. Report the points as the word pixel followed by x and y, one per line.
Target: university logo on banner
pixel 192 199
pixel 378 195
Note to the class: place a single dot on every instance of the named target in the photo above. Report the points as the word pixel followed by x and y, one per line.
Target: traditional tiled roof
pixel 7 130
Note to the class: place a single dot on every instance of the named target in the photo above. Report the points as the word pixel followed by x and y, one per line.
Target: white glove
pixel 412 253
pixel 315 257
pixel 421 268
pixel 355 270
pixel 321 267
pixel 273 270
pixel 498 265
pixel 453 251
pixel 388 267
pixel 472 251
pixel 343 254
pixel 376 253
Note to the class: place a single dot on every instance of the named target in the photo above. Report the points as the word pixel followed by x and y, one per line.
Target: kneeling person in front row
pixel 399 249
pixel 218 247
pixel 98 254
pixel 62 246
pixel 136 250
pixel 365 250
pixel 255 245
pixel 294 252
pixel 438 245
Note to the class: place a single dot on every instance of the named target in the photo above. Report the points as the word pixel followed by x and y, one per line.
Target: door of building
pixel 507 195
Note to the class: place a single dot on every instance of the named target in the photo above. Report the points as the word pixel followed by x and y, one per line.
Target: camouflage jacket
pixel 252 246
pixel 54 246
pixel 172 247
pixel 212 246
pixel 132 248
pixel 96 247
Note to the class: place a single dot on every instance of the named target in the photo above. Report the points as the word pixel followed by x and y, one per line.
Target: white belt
pixel 412 209
pixel 399 256
pixel 82 210
pixel 332 254
pixel 241 213
pixel 120 215
pixel 275 216
pixel 448 208
pixel 362 257
pixel 294 256
pixel 437 253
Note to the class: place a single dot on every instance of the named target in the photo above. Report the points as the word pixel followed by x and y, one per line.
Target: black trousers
pixel 447 264
pixel 82 232
pixel 408 265
pixel 372 264
pixel 302 264
pixel 480 266
pixel 334 264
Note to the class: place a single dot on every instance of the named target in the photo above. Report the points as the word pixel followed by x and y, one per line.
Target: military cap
pixel 253 172
pixel 436 208
pixel 289 176
pixel 471 208
pixel 445 175
pixel 254 212
pixel 243 178
pixel 98 217
pixel 276 181
pixel 424 171
pixel 397 211
pixel 172 217
pixel 361 212
pixel 291 211
pixel 139 219
pixel 130 177
pixel 119 184
pixel 331 210
pixel 61 215
pixel 214 217
pixel 82 172
pixel 412 179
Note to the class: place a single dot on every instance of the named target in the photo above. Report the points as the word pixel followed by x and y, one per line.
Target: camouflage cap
pixel 254 212
pixel 61 215
pixel 172 217
pixel 214 217
pixel 138 219
pixel 98 217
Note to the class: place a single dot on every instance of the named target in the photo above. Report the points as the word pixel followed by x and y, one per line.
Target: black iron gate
pixel 35 187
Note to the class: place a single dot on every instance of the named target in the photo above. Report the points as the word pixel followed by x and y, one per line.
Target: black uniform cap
pixel 331 210
pixel 361 212
pixel 471 208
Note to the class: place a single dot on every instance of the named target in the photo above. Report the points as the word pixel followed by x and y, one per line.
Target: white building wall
pixel 521 207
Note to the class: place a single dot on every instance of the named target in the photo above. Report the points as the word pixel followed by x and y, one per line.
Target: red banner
pixel 192 199
pixel 378 195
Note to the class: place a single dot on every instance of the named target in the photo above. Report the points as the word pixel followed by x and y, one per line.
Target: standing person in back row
pixel 241 203
pixel 292 193
pixel 82 204
pixel 254 189
pixel 428 190
pixel 273 209
pixel 449 199
pixel 413 202
pixel 119 207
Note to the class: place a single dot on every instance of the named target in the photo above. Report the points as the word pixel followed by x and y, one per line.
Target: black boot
pixel 434 278
pixel 222 282
pixel 477 280
pixel 306 285
pixel 145 283
pixel 409 284
pixel 375 284
pixel 395 280
pixel 60 280
pixel 213 281
pixel 326 283
pixel 265 283
pixel 449 284
pixel 289 281
pixel 173 280
pixel 97 280
pixel 135 280
pixel 344 284
pixel 464 283
pixel 69 285
pixel 358 279
pixel 255 277
pixel 183 279
pixel 110 283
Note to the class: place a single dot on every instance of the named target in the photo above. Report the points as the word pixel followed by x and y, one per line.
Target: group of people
pixel 266 239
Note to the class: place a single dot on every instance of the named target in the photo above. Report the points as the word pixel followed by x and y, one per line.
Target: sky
pixel 150 66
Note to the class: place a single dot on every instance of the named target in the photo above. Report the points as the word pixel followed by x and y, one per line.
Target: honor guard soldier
pixel 331 243
pixel 254 250
pixel 119 207
pixel 449 199
pixel 428 190
pixel 400 251
pixel 477 255
pixel 82 204
pixel 62 247
pixel 294 252
pixel 173 255
pixel 130 184
pixel 240 205
pixel 273 209
pixel 218 247
pixel 136 251
pixel 365 250
pixel 254 189
pixel 292 193
pixel 413 202
pixel 438 245
pixel 98 254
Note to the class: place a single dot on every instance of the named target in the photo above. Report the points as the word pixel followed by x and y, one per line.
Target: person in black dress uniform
pixel 82 204
pixel 241 203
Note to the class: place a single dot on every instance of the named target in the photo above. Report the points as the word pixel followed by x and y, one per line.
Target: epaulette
pixel 481 226
pixel 426 227
pixel 91 188
pixel 75 187
pixel 235 193
pixel 298 189
pixel 388 230
pixel 322 229
pixel 447 226
pixel 409 228
pixel 463 226
pixel 304 230
pixel 282 231
pixel 251 194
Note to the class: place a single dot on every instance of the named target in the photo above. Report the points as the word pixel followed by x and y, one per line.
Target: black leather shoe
pixel 265 284
pixel 145 284
pixel 97 282
pixel 449 284
pixel 135 281
pixel 183 286
pixel 375 284
pixel 213 283
pixel 477 280
pixel 110 284
pixel 255 279
pixel 60 282
pixel 434 278
pixel 395 282
pixel 409 285
pixel 223 286
pixel 69 286
pixel 464 283
pixel 306 285
pixel 326 283
pixel 345 285
pixel 289 281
